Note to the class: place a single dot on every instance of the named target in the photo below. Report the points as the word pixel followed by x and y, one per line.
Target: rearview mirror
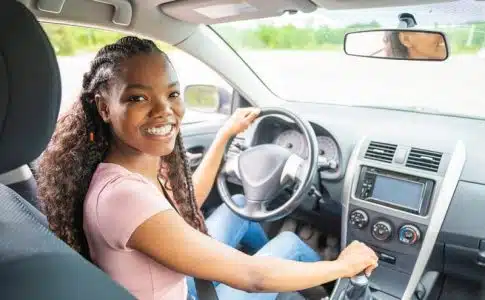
pixel 204 98
pixel 404 44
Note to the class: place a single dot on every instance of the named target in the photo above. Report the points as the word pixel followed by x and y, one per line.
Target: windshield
pixel 300 58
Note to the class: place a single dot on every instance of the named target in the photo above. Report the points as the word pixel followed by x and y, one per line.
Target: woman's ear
pixel 103 107
pixel 405 39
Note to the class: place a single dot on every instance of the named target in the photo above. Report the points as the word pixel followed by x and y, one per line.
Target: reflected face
pixel 423 45
pixel 144 107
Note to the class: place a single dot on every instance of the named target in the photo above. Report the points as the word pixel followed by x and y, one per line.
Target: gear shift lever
pixel 358 289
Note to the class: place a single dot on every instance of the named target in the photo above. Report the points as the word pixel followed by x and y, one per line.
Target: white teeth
pixel 164 130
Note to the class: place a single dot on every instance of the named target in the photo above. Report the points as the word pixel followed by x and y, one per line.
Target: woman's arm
pixel 168 239
pixel 205 175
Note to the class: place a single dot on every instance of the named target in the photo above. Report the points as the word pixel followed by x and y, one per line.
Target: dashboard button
pixel 382 230
pixel 359 219
pixel 387 258
pixel 409 234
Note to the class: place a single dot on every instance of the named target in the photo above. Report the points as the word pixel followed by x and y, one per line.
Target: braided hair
pixel 398 50
pixel 81 141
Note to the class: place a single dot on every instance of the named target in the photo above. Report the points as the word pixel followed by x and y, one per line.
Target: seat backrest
pixel 34 263
pixel 22 181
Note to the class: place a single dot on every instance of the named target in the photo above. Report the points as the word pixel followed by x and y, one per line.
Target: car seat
pixel 34 263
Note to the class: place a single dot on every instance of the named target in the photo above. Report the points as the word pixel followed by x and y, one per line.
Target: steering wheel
pixel 265 170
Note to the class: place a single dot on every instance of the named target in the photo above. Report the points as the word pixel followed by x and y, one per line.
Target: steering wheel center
pixel 261 169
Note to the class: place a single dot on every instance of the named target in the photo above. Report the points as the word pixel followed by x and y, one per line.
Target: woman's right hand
pixel 357 257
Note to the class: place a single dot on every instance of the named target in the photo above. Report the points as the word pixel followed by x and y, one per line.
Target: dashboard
pixel 401 181
pixel 459 247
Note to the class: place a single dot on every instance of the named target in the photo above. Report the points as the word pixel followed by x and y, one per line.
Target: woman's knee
pixel 239 199
pixel 288 239
pixel 286 244
pixel 297 249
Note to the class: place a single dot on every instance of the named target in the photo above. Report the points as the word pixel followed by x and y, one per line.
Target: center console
pixel 395 200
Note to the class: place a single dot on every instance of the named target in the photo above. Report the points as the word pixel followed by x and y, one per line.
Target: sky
pixel 450 13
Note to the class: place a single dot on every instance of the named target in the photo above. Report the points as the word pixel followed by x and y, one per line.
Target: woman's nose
pixel 162 107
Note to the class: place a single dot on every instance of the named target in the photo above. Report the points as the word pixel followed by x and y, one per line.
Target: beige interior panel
pixel 220 11
pixel 146 18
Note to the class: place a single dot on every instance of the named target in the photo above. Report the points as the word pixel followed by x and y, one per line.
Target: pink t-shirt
pixel 117 202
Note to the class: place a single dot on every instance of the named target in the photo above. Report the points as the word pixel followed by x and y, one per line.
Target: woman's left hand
pixel 239 121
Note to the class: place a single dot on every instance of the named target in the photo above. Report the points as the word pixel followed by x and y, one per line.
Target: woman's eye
pixel 137 98
pixel 174 95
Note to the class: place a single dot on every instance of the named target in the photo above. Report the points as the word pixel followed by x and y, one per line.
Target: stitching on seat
pixel 23 206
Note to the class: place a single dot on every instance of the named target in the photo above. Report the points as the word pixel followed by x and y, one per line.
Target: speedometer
pixel 293 141
pixel 327 148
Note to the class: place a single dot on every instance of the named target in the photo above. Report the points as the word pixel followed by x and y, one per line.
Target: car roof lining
pixel 181 17
pixel 145 14
pixel 221 11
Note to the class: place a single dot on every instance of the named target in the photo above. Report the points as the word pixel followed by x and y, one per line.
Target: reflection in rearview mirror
pixel 405 44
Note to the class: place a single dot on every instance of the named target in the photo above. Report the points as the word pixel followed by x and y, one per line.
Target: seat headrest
pixel 30 87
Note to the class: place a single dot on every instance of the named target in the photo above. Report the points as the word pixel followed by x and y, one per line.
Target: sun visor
pixel 221 11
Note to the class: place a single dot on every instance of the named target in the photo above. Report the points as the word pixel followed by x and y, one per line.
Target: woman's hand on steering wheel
pixel 239 121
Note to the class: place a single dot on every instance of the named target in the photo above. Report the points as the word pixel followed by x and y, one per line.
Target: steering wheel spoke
pixel 254 208
pixel 231 167
pixel 293 171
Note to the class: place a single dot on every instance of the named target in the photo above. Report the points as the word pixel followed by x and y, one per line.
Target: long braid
pixel 177 168
pixel 81 141
pixel 190 184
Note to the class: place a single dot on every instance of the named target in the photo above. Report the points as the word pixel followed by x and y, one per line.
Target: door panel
pixel 198 137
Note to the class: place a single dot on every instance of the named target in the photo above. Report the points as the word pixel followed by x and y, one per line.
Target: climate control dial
pixel 382 230
pixel 409 234
pixel 359 219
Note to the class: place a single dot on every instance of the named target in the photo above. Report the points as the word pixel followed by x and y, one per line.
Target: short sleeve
pixel 123 205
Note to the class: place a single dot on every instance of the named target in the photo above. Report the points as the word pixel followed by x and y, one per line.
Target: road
pixel 454 85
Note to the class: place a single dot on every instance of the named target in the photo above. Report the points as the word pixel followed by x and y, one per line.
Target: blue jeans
pixel 230 229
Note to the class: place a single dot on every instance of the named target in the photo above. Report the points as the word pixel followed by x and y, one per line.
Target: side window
pixel 205 92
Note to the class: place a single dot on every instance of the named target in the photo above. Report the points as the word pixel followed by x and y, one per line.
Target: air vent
pixel 424 160
pixel 380 151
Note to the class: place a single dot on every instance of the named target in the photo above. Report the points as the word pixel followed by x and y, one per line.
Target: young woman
pixel 415 45
pixel 115 185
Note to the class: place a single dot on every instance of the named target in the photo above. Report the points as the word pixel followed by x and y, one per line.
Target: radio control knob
pixel 359 219
pixel 409 234
pixel 382 230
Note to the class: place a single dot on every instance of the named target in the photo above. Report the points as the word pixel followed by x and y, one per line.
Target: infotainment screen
pixel 403 193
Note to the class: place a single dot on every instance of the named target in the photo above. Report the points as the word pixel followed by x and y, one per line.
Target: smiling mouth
pixel 164 130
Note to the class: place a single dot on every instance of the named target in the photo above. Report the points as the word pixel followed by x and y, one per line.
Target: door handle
pixel 481 259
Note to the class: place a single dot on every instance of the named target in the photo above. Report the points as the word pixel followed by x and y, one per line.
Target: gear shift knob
pixel 359 280
pixel 358 289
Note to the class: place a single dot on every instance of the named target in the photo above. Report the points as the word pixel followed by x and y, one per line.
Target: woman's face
pixel 422 45
pixel 143 106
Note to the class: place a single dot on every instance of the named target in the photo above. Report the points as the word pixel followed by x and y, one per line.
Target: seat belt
pixel 205 289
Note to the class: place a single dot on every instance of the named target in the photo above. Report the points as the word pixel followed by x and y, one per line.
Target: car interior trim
pixel 22 173
pixel 446 192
